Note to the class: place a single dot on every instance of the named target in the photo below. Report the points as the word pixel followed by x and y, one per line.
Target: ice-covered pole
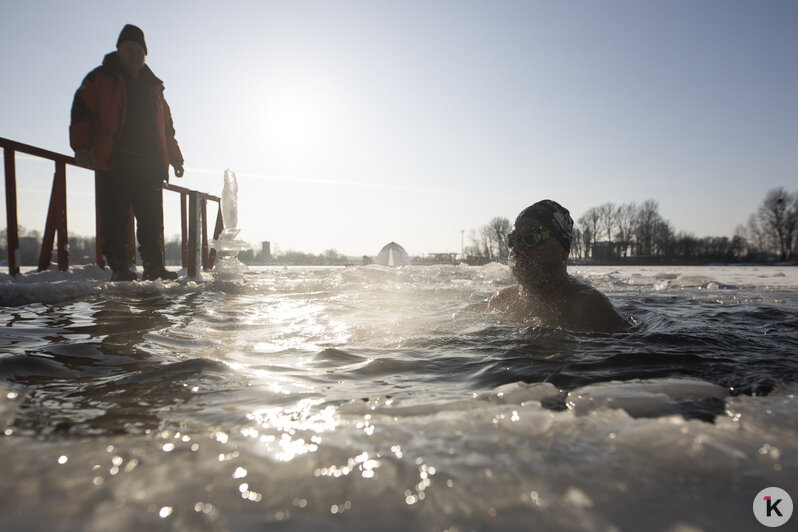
pixel 230 200
pixel 228 267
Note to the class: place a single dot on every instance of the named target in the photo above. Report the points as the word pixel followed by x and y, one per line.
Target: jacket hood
pixel 112 62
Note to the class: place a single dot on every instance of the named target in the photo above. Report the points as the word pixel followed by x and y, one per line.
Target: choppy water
pixel 370 398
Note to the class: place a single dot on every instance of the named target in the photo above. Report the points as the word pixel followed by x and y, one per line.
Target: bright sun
pixel 298 117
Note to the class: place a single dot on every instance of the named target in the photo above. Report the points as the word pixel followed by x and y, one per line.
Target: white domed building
pixel 393 254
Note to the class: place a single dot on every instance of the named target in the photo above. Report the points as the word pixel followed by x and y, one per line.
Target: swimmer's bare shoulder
pixel 505 299
pixel 593 310
pixel 583 308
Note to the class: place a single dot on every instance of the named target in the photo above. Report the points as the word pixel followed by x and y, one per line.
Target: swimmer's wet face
pixel 533 265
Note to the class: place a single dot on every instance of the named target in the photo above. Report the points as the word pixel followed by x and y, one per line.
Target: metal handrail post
pixel 56 223
pixel 12 231
pixel 204 207
pixel 61 216
pixel 194 256
pixel 50 224
pixel 183 231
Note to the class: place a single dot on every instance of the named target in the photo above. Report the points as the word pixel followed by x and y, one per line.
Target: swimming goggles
pixel 530 240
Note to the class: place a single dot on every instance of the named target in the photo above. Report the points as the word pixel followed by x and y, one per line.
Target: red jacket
pixel 98 115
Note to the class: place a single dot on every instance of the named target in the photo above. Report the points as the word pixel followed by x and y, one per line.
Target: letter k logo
pixel 777 507
pixel 772 507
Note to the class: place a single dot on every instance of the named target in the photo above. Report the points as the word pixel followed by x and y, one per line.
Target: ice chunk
pixel 641 397
pixel 521 392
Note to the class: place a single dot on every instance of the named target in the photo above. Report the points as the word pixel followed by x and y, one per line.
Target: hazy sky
pixel 351 124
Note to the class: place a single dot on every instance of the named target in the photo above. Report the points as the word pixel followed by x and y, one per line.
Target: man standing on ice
pixel 122 128
pixel 545 294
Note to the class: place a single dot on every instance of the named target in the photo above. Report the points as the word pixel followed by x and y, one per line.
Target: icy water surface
pixel 371 398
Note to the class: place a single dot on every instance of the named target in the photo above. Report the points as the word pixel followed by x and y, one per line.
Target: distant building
pixel 265 250
pixel 437 258
pixel 602 252
pixel 392 254
pixel 29 249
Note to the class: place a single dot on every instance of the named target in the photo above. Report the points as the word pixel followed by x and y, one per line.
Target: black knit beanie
pixel 132 33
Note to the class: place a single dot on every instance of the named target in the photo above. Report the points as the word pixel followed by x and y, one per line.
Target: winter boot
pixel 163 273
pixel 123 275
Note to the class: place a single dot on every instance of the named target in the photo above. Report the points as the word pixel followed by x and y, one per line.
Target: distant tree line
pixel 489 244
pixel 329 257
pixel 81 248
pixel 608 233
pixel 82 251
pixel 637 233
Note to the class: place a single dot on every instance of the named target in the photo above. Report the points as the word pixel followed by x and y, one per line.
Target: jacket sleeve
pixel 85 109
pixel 172 148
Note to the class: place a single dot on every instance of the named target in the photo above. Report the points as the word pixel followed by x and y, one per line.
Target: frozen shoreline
pixel 85 280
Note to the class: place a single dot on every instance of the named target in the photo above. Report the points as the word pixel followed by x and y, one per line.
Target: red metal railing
pixel 193 217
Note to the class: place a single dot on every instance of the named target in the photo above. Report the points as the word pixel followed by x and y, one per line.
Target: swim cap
pixel 555 218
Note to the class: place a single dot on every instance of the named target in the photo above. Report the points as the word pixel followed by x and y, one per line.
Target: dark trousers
pixel 131 183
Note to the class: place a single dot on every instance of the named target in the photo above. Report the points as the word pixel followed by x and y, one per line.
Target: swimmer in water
pixel 545 294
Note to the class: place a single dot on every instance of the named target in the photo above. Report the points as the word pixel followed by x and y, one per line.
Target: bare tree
pixel 646 223
pixel 608 216
pixel 577 249
pixel 500 227
pixel 476 249
pixel 590 224
pixel 755 236
pixel 739 244
pixel 488 241
pixel 586 238
pixel 493 239
pixel 663 239
pixel 778 219
pixel 627 218
pixel 687 245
